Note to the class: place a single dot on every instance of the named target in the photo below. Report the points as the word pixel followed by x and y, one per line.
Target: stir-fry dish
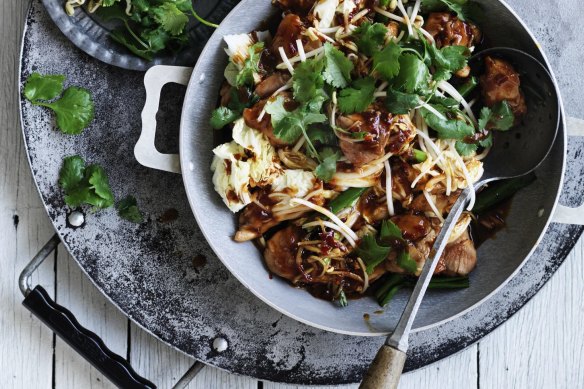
pixel 353 127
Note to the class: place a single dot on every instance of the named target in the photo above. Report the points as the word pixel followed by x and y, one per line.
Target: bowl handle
pixel 145 150
pixel 563 214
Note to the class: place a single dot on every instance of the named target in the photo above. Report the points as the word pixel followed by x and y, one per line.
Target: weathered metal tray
pixel 164 276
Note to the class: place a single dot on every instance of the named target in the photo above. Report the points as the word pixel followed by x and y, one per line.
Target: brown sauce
pixel 487 225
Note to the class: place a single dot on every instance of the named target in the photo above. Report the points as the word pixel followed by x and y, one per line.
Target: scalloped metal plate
pixel 91 35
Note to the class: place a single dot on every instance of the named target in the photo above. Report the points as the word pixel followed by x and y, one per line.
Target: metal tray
pixel 164 276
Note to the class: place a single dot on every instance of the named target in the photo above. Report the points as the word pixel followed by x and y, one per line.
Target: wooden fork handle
pixel 385 370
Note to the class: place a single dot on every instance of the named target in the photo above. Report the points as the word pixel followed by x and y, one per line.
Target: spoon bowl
pixel 521 149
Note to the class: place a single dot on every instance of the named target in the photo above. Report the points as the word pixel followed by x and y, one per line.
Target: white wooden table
pixel 542 346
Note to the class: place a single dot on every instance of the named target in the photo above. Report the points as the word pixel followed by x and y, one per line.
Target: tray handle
pixel 145 151
pixel 63 323
pixel 564 214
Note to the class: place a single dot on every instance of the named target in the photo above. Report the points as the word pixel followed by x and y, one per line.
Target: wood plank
pixel 27 345
pixel 541 346
pixel 26 349
pixel 164 365
pixel 95 312
pixel 458 371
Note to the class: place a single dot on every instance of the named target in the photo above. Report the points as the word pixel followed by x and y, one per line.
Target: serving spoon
pixel 516 152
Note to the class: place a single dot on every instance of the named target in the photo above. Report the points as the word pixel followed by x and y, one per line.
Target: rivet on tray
pixel 220 344
pixel 76 219
pixel 202 78
pixel 540 212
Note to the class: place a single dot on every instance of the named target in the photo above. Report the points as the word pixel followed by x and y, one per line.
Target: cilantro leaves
pixel 337 70
pixel 413 76
pixel 151 26
pixel 128 209
pixel 460 7
pixel 307 80
pixel 289 126
pixel 40 87
pixel 386 61
pixel 89 184
pixel 250 65
pixel 358 97
pixel 374 253
pixel 451 125
pixel 370 37
pixel 371 252
pixel 222 116
pixel 328 166
pixel 74 110
pixel 499 117
pixel 84 184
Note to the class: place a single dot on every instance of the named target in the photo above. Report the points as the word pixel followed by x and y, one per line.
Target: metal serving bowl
pixel 499 259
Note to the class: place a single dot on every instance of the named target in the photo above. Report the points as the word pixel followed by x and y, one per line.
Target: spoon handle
pixel 385 370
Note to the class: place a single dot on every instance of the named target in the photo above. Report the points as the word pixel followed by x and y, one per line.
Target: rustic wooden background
pixel 542 346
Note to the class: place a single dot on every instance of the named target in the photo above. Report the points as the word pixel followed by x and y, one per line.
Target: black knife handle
pixel 85 342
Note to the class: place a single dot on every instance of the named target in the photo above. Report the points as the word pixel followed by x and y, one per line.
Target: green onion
pixel 500 191
pixel 419 155
pixel 343 299
pixel 468 86
pixel 345 199
pixel 395 282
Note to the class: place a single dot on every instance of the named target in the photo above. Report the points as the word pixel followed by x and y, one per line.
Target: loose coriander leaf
pixel 39 87
pixel 128 209
pixel 413 76
pixel 450 125
pixel 222 116
pixel 389 230
pixel 289 126
pixel 72 172
pixel 369 37
pixel 322 134
pixel 84 185
pixel 405 261
pixel 74 110
pixel 460 7
pixel 250 65
pixel 97 177
pixel 230 73
pixel 487 142
pixel 502 117
pixel 465 149
pixel 307 80
pixel 172 19
pixel 358 97
pixel 448 60
pixel 401 103
pixel 328 167
pixel 371 252
pixel 337 70
pixel 386 61
pixel 498 117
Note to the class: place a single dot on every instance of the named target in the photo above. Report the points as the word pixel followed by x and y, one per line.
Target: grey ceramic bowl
pixel 499 259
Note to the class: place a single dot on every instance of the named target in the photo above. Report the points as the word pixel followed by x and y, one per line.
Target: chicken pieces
pixel 280 252
pixel 383 132
pixel 449 30
pixel 501 82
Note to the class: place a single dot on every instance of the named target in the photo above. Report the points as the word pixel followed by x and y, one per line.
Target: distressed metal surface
pixel 149 270
pixel 90 34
